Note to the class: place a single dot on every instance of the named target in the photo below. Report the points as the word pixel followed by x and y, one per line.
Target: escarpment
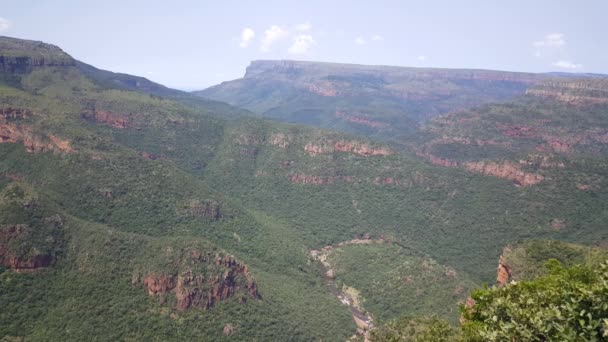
pixel 33 142
pixel 116 120
pixel 209 209
pixel 20 250
pixel 208 280
pixel 355 147
pixel 10 113
pixel 26 64
pixel 18 56
pixel 504 272
pixel 575 92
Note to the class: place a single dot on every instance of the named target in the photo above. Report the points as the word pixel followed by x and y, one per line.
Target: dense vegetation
pixel 138 174
pixel 569 304
pixel 391 280
pixel 379 101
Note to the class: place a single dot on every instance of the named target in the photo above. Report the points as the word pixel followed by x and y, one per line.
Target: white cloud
pixel 4 24
pixel 421 58
pixel 301 44
pixel 377 38
pixel 272 35
pixel 360 41
pixel 304 27
pixel 567 65
pixel 246 36
pixel 552 40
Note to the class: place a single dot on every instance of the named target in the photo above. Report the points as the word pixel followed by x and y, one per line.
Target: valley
pixel 338 197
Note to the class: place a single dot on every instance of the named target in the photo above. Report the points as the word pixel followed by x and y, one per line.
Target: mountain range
pixel 131 211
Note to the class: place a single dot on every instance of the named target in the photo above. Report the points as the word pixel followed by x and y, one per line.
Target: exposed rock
pixel 355 147
pixel 361 148
pixel 386 181
pixel 518 131
pixel 308 179
pixel 15 113
pixel 558 224
pixel 323 88
pixel 26 64
pixel 506 170
pixel 202 289
pixel 360 119
pixel 159 284
pixel 319 180
pixel 575 92
pixel 34 143
pixel 228 329
pixel 205 209
pixel 32 258
pixel 504 270
pixel 116 120
pixel 583 186
pixel 152 156
pixel 314 150
pixel 437 160
pixel 279 139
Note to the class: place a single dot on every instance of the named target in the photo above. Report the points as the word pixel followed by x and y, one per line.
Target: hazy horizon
pixel 190 45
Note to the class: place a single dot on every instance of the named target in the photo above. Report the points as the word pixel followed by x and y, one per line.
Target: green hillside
pixel 132 211
pixel 378 101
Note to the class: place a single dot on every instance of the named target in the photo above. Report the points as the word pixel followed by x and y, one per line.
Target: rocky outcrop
pixel 210 281
pixel 360 119
pixel 21 56
pixel 26 64
pixel 504 274
pixel 507 170
pixel 116 120
pixel 209 209
pixel 437 160
pixel 228 329
pixel 34 143
pixel 324 89
pixel 18 253
pixel 279 139
pixel 9 113
pixel 355 147
pixel 518 131
pixel 575 92
pixel 309 179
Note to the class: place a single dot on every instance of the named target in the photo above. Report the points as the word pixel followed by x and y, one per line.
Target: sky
pixel 193 44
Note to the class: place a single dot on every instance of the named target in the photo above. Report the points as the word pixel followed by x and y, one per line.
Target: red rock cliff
pixel 193 288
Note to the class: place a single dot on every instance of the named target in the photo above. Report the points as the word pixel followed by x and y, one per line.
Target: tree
pixel 569 304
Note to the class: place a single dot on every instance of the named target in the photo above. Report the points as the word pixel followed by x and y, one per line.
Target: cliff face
pixel 205 209
pixel 504 272
pixel 304 69
pixel 356 147
pixel 207 282
pixel 26 64
pixel 19 251
pixel 575 92
pixel 18 56
pixel 33 142
pixel 378 101
pixel 116 120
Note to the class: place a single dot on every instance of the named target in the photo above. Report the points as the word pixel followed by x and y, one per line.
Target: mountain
pixel 133 211
pixel 378 101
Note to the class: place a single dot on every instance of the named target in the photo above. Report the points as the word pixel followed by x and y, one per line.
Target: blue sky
pixel 190 44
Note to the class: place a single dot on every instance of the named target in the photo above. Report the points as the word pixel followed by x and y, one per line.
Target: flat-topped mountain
pixel 380 101
pixel 129 210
